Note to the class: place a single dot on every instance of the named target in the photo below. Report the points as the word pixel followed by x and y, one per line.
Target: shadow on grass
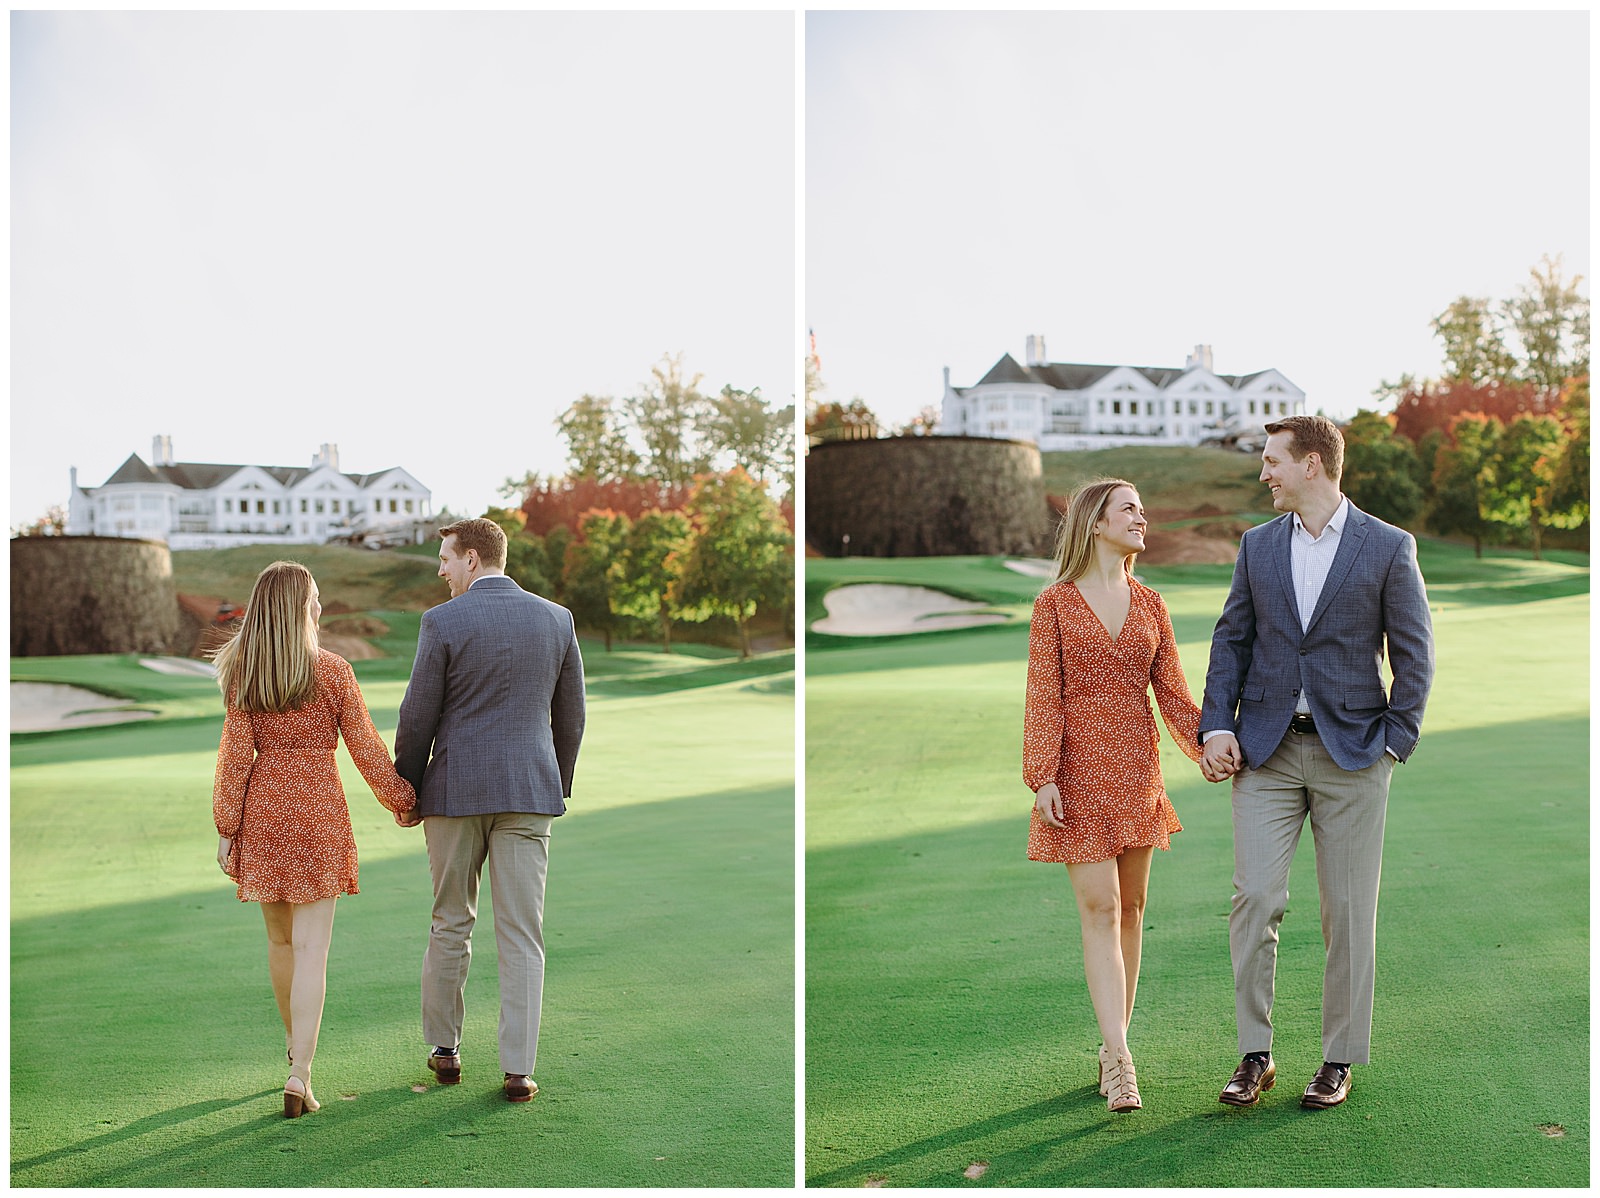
pixel 667 1050
pixel 947 1020
pixel 159 1121
pixel 1055 1125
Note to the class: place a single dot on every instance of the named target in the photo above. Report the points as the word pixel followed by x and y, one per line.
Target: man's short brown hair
pixel 487 537
pixel 1313 434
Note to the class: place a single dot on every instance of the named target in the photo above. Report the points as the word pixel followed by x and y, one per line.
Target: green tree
pixel 1474 343
pixel 742 553
pixel 841 422
pixel 554 543
pixel 1380 469
pixel 1520 476
pixel 1458 480
pixel 525 563
pixel 586 578
pixel 648 564
pixel 597 440
pixel 1569 489
pixel 1428 447
pixel 1550 319
pixel 52 524
pixel 920 425
pixel 665 415
pixel 1540 336
pixel 743 426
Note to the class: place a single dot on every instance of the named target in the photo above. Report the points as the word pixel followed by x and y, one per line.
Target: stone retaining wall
pixel 92 595
pixel 926 496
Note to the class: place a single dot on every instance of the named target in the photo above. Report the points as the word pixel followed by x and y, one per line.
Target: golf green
pixel 949 1035
pixel 145 1046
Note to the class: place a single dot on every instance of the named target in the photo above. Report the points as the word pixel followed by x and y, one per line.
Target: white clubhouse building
pixel 1073 406
pixel 202 505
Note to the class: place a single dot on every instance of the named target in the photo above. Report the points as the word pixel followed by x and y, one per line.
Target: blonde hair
pixel 1075 537
pixel 270 663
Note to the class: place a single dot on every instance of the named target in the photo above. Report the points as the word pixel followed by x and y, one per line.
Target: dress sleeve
pixel 367 749
pixel 1043 718
pixel 236 758
pixel 1178 708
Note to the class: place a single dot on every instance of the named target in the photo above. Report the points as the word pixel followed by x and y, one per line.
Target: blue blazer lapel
pixel 1350 541
pixel 1281 538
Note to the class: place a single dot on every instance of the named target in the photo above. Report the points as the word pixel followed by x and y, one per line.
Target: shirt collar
pixel 1335 523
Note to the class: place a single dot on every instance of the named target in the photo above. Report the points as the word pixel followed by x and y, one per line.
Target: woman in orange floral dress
pixel 279 807
pixel 1099 641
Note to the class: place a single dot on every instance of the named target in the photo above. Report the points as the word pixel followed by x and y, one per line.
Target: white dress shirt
pixel 1310 559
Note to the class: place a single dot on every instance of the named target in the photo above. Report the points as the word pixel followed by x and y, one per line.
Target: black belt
pixel 1303 724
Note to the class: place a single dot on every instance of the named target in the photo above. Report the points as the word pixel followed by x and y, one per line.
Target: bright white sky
pixel 1299 190
pixel 417 235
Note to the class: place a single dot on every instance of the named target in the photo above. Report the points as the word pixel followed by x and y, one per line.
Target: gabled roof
pixel 203 476
pixel 133 471
pixel 1076 376
pixel 1008 370
pixel 366 480
pixel 197 476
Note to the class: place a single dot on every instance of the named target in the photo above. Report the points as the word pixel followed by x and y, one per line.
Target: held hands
pixel 407 819
pixel 1052 808
pixel 1221 758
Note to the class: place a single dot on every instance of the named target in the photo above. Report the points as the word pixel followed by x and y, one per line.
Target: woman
pixel 1099 641
pixel 280 810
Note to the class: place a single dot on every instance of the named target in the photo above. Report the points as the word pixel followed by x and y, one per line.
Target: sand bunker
pixel 47 706
pixel 1033 567
pixel 883 609
pixel 179 665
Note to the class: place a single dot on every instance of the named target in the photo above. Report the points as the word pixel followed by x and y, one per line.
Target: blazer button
pixel 1302 653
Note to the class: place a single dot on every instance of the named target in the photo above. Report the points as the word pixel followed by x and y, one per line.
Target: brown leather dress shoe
pixel 520 1088
pixel 1248 1081
pixel 446 1069
pixel 1330 1086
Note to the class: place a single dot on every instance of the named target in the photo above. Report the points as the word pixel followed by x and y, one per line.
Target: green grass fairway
pixel 145 1046
pixel 947 1020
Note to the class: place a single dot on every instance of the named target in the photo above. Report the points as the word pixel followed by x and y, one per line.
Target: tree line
pixel 665 512
pixel 1496 448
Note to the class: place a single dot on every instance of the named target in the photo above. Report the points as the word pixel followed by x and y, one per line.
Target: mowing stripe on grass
pixel 146 1050
pixel 947 1020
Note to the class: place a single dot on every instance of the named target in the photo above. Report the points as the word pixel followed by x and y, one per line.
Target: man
pixel 496 698
pixel 1295 711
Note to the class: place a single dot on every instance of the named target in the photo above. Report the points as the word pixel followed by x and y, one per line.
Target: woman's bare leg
pixel 1096 888
pixel 1133 884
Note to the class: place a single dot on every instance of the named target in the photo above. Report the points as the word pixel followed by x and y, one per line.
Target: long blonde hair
pixel 1075 537
pixel 270 663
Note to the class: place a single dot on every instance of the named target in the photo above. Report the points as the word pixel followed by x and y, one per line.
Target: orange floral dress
pixel 277 790
pixel 1088 725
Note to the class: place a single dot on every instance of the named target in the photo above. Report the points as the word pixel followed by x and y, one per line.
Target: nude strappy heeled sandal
pixel 1122 1088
